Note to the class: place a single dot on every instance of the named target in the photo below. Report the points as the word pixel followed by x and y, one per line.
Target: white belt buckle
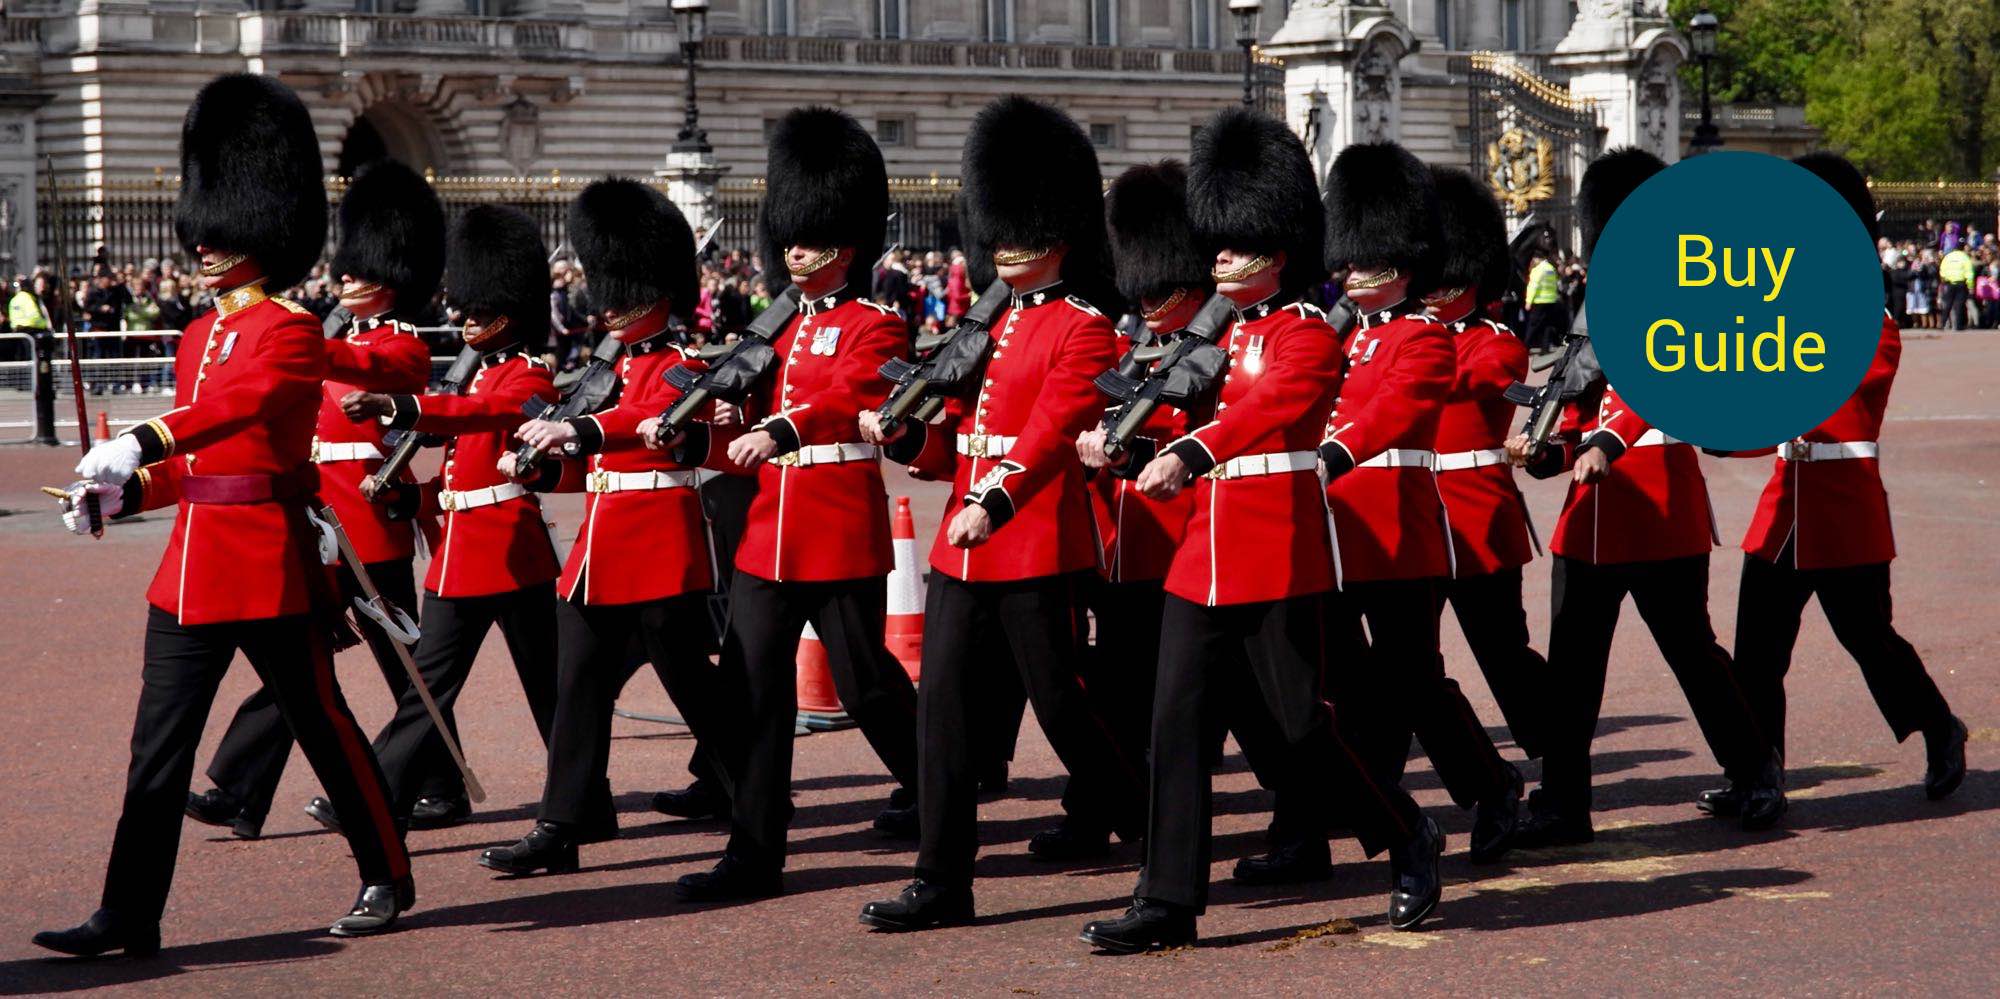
pixel 598 482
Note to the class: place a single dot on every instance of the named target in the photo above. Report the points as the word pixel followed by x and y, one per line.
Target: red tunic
pixel 1652 505
pixel 656 542
pixel 500 547
pixel 245 402
pixel 1141 534
pixel 826 520
pixel 376 355
pixel 1489 518
pixel 1835 512
pixel 1389 522
pixel 1036 396
pixel 1256 538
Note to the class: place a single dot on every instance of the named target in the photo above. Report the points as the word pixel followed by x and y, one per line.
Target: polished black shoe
pixel 322 812
pixel 1289 864
pixel 1946 755
pixel 548 847
pixel 921 906
pixel 1067 843
pixel 731 880
pixel 217 807
pixel 1542 829
pixel 1723 802
pixel 899 823
pixel 376 909
pixel 440 813
pixel 101 934
pixel 699 800
pixel 1417 877
pixel 1494 822
pixel 1764 801
pixel 1148 925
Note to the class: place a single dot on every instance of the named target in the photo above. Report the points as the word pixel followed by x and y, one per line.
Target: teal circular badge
pixel 1734 300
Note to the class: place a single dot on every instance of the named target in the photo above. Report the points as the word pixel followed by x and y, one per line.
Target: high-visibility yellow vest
pixel 1542 288
pixel 1955 268
pixel 25 312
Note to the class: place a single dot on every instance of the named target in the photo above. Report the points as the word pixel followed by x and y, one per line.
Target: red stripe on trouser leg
pixel 360 761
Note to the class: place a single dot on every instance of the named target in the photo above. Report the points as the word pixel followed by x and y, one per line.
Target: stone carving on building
pixel 521 134
pixel 1375 83
pixel 1657 127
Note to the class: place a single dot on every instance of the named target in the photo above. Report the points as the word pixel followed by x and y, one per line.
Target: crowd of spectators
pixel 1944 277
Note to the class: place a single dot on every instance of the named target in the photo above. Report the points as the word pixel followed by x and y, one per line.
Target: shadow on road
pixel 59 974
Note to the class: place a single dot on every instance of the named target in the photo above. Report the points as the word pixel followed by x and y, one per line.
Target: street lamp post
pixel 1702 30
pixel 691 16
pixel 1245 12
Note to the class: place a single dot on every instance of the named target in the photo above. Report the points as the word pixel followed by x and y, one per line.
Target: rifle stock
pixel 920 386
pixel 591 390
pixel 734 372
pixel 406 449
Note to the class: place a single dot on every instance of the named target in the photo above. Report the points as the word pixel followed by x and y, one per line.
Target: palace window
pixel 779 16
pixel 1103 22
pixel 1104 134
pixel 1444 24
pixel 892 18
pixel 999 20
pixel 1201 24
pixel 893 131
pixel 1510 14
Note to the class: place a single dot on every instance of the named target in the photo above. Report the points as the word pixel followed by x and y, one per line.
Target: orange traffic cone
pixel 904 632
pixel 819 703
pixel 103 426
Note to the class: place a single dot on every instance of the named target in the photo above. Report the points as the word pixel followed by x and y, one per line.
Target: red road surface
pixel 1867 887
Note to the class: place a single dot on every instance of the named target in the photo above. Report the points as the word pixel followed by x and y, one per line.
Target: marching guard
pixel 241 572
pixel 640 570
pixel 1248 583
pixel 389 260
pixel 1821 529
pixel 1636 520
pixel 495 563
pixel 1391 543
pixel 1016 550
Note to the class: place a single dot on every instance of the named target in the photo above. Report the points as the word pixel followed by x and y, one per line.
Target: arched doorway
pixel 393 131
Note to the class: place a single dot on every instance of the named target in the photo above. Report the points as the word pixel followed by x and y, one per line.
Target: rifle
pixel 591 391
pixel 409 442
pixel 1573 372
pixel 945 362
pixel 735 368
pixel 90 504
pixel 1174 372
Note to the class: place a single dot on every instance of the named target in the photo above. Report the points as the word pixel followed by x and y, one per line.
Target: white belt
pixel 325 451
pixel 1401 457
pixel 828 454
pixel 620 482
pixel 985 445
pixel 1654 438
pixel 1827 450
pixel 1456 460
pixel 1272 463
pixel 472 499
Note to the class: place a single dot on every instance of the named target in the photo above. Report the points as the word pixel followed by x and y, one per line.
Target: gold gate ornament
pixel 1520 173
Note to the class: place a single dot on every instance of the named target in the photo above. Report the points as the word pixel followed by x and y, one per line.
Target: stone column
pixel 691 179
pixel 1342 81
pixel 1624 56
pixel 20 170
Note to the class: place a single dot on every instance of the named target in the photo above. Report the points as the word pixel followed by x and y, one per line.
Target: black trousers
pixel 1858 607
pixel 1672 597
pixel 596 661
pixel 1120 672
pixel 1041 626
pixel 1284 645
pixel 1407 692
pixel 766 619
pixel 184 667
pixel 251 757
pixel 1489 612
pixel 453 630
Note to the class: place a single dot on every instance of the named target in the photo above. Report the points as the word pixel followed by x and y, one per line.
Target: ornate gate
pixel 1530 139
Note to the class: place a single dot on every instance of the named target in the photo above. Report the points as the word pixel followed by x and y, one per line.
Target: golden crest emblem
pixel 1520 169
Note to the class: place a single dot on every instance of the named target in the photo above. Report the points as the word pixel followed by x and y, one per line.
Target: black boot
pixel 731 880
pixel 550 847
pixel 899 820
pixel 920 906
pixel 1148 925
pixel 1723 802
pixel 217 807
pixel 432 812
pixel 1287 864
pixel 1068 842
pixel 699 800
pixel 103 933
pixel 1546 827
pixel 1945 752
pixel 1765 801
pixel 322 812
pixel 1494 822
pixel 1417 878
pixel 376 909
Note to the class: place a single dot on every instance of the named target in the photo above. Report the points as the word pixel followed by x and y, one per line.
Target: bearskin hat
pixel 635 246
pixel 1381 209
pixel 1475 234
pixel 1153 248
pixel 250 177
pixel 1250 187
pixel 392 232
pixel 1606 183
pixel 1031 180
pixel 825 186
pixel 496 262
pixel 1841 175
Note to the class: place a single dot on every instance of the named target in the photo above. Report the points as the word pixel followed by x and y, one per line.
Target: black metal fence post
pixel 45 389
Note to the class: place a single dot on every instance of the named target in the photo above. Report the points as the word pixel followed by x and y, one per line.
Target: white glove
pixel 111 462
pixel 76 518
